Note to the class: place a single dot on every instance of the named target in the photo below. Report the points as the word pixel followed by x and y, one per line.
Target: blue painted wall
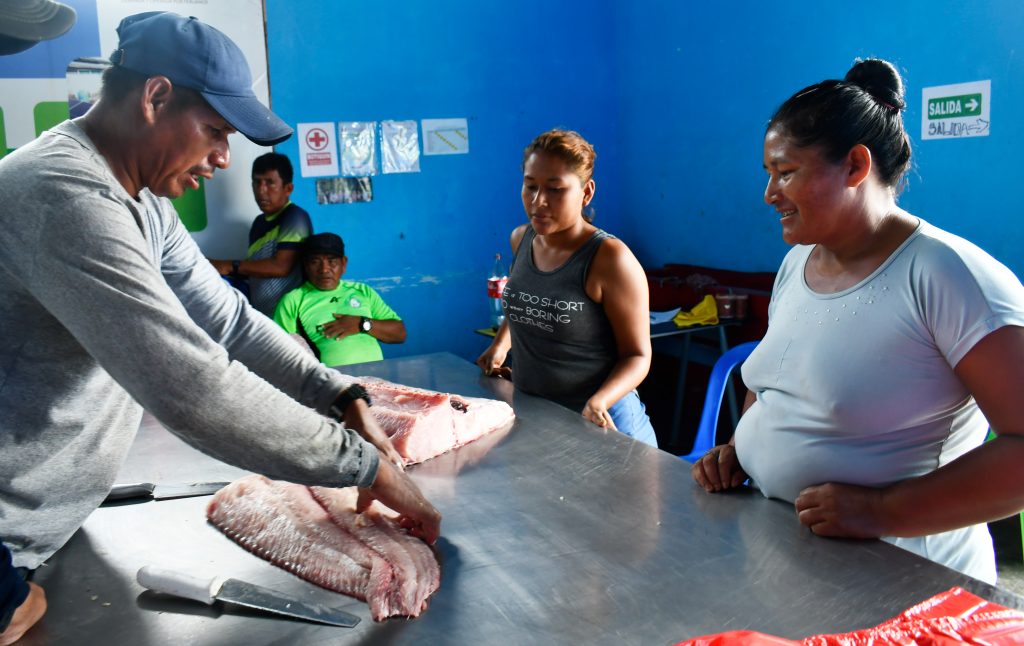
pixel 674 95
pixel 427 240
pixel 701 80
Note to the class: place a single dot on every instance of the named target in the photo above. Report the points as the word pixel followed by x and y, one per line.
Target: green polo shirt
pixel 310 308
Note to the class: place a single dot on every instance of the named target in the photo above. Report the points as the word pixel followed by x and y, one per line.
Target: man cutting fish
pixel 110 307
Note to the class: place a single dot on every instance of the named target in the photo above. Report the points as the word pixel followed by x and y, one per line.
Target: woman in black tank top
pixel 576 302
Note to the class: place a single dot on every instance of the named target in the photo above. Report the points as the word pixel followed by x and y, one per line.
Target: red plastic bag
pixel 952 617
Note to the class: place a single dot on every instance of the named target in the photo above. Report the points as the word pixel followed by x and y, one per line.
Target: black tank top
pixel 563 346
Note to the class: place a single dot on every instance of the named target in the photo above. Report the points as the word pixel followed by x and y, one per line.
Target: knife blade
pixel 161 491
pixel 240 593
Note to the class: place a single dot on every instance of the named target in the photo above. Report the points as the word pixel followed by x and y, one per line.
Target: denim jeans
pixel 631 419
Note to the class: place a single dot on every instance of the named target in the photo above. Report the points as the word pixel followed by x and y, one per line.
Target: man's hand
pixel 396 490
pixel 342 326
pixel 719 469
pixel 359 418
pixel 26 615
pixel 842 510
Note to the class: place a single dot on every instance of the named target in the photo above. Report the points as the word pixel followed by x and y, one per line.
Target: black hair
pixel 274 161
pixel 119 82
pixel 864 108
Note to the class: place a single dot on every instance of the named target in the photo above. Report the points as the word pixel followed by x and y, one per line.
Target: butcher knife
pixel 242 594
pixel 151 491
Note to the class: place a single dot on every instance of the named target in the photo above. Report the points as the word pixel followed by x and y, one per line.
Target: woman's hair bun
pixel 879 79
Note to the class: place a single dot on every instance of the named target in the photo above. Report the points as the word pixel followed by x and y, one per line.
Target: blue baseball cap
pixel 197 56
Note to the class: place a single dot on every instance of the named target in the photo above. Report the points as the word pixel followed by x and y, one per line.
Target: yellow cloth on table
pixel 703 313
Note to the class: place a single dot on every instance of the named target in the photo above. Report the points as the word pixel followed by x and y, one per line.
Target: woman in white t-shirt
pixel 891 347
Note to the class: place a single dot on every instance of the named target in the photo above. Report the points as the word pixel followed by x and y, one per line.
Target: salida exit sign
pixel 955 111
pixel 948 107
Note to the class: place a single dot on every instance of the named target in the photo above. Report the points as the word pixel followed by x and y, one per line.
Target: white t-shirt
pixel 858 386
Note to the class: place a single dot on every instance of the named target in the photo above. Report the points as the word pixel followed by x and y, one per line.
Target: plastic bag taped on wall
pixel 399 147
pixel 358 148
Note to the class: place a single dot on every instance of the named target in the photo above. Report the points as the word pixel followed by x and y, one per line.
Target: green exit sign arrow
pixel 948 107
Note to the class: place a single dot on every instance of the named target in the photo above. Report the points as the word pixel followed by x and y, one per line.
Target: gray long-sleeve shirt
pixel 109 307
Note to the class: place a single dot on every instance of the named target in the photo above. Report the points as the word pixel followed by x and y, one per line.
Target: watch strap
pixel 345 399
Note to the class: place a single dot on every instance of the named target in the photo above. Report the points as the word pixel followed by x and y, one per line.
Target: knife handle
pixel 126 491
pixel 178 584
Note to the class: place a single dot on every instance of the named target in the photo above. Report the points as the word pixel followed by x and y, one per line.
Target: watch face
pixel 366 325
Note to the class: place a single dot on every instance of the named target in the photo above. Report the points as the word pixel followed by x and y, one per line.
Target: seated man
pixel 271 266
pixel 340 319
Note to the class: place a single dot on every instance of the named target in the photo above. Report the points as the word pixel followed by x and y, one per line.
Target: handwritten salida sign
pixel 955 111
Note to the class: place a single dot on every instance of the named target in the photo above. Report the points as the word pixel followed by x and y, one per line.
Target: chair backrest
pixel 705 439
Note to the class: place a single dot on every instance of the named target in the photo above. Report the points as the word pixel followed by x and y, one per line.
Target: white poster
pixel 318 152
pixel 956 111
pixel 445 136
pixel 399 147
pixel 358 148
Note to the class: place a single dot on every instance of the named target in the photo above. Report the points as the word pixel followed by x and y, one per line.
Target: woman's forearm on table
pixel 983 485
pixel 624 377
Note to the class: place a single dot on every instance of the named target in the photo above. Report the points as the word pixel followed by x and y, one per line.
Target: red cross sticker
pixel 317 139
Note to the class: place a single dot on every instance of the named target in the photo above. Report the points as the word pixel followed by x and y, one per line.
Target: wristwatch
pixel 234 267
pixel 365 325
pixel 345 399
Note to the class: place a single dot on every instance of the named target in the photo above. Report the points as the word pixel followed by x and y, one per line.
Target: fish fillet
pixel 319 537
pixel 416 574
pixel 423 424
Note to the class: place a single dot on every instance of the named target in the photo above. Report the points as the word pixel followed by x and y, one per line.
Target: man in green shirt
pixel 343 321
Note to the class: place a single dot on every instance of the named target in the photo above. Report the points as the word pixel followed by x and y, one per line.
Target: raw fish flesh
pixel 423 424
pixel 315 534
pixel 415 572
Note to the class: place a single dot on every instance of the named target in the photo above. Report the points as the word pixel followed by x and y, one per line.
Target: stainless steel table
pixel 557 532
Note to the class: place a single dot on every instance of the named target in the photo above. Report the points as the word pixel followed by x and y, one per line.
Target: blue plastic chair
pixel 705 439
